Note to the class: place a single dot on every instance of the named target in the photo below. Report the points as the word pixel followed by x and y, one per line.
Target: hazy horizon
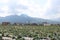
pixel 47 9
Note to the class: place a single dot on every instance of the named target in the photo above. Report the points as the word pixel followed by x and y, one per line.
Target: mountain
pixel 56 19
pixel 24 19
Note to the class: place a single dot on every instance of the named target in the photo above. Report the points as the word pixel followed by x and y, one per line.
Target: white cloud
pixel 4 14
pixel 5 8
pixel 54 11
pixel 4 1
pixel 35 8
pixel 4 11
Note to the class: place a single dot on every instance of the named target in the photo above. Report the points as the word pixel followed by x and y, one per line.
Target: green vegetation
pixel 31 31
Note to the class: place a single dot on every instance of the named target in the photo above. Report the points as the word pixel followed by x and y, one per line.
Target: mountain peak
pixel 24 15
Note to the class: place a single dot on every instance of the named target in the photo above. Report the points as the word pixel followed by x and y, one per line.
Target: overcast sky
pixel 47 9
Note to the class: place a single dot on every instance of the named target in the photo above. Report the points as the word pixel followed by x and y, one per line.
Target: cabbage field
pixel 31 31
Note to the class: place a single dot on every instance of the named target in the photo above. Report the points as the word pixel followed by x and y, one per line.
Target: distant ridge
pixel 25 19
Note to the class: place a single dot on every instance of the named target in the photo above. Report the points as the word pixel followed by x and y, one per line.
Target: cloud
pixel 35 8
pixel 47 9
pixel 4 1
pixel 54 11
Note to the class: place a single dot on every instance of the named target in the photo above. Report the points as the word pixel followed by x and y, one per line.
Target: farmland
pixel 31 31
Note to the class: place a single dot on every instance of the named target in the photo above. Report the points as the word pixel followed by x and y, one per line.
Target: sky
pixel 47 9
